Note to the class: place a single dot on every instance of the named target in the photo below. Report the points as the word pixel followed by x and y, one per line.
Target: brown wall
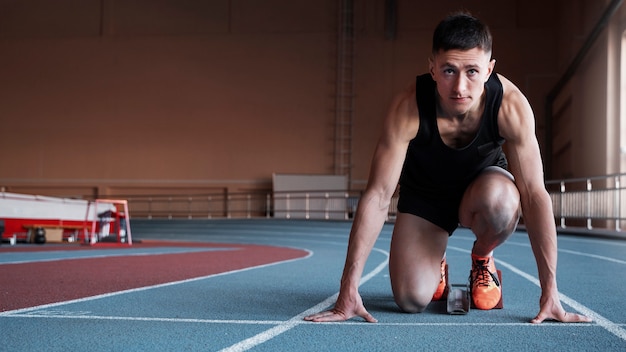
pixel 586 138
pixel 138 96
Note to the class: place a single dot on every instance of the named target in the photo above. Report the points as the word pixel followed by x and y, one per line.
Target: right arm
pixel 400 127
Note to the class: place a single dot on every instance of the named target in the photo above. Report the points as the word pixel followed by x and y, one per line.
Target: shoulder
pixel 509 88
pixel 402 119
pixel 515 118
pixel 404 102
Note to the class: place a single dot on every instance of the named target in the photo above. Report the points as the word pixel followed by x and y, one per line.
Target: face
pixel 460 77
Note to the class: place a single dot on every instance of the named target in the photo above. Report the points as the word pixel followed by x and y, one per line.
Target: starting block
pixel 459 297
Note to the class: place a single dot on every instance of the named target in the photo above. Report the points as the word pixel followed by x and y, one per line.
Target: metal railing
pixel 287 205
pixel 586 203
pixel 590 203
pixel 201 206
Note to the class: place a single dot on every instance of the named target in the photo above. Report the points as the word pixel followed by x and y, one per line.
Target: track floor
pixel 237 285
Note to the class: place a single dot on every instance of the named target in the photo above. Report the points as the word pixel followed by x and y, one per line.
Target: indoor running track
pixel 237 285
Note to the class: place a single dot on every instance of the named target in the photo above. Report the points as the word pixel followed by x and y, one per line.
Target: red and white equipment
pixel 74 219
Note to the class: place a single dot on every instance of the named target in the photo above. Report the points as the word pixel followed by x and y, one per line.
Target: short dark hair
pixel 461 31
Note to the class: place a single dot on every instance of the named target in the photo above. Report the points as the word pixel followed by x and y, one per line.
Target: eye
pixel 448 71
pixel 472 72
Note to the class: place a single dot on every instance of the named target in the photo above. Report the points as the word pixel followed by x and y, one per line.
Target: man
pixel 442 141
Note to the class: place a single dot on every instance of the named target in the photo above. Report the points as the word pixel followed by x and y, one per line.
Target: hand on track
pixel 551 309
pixel 345 308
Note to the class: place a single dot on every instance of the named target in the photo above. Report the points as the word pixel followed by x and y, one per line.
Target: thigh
pixel 417 247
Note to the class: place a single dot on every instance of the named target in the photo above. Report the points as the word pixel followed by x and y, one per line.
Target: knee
pixel 498 212
pixel 505 210
pixel 410 302
pixel 501 198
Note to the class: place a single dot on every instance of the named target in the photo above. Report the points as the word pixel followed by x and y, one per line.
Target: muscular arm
pixel 400 127
pixel 516 124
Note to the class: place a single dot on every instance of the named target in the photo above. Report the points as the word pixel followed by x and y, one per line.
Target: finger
pixel 328 318
pixel 363 313
pixel 369 318
pixel 319 315
pixel 566 318
pixel 340 317
pixel 539 318
pixel 576 318
pixel 332 316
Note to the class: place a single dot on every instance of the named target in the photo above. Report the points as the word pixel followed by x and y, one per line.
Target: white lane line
pixel 601 257
pixel 86 255
pixel 582 254
pixel 600 241
pixel 299 319
pixel 145 288
pixel 45 315
pixel 605 323
pixel 49 315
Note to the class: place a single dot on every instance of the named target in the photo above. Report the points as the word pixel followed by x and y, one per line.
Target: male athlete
pixel 442 140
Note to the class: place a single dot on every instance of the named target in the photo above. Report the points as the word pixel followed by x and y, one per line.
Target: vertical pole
pixel 326 215
pixel 562 206
pixel 589 204
pixel 618 203
pixel 129 237
pixel 228 201
pixel 248 206
pixel 306 206
pixel 346 216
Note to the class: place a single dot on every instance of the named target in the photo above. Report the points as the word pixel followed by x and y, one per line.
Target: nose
pixel 460 84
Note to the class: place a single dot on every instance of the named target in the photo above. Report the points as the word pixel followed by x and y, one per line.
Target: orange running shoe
pixel 484 283
pixel 442 289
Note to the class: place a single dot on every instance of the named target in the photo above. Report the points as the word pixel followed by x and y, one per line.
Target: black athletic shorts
pixel 441 211
pixel 442 207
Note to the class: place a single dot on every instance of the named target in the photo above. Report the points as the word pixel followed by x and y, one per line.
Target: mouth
pixel 460 100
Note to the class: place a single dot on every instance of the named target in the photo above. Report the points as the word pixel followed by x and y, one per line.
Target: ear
pixel 490 67
pixel 431 66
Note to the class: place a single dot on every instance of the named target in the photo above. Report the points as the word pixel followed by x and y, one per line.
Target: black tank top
pixel 433 169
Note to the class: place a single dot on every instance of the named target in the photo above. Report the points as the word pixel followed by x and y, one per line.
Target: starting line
pixel 74 315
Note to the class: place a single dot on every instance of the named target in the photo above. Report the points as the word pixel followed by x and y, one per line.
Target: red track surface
pixel 31 284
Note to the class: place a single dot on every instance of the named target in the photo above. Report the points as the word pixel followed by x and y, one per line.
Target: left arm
pixel 517 126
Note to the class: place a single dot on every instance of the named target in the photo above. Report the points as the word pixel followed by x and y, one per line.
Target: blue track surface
pixel 261 309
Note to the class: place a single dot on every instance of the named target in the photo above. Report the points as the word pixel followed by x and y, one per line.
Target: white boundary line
pixel 111 255
pixel 605 323
pixel 569 251
pixel 59 315
pixel 595 256
pixel 266 335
